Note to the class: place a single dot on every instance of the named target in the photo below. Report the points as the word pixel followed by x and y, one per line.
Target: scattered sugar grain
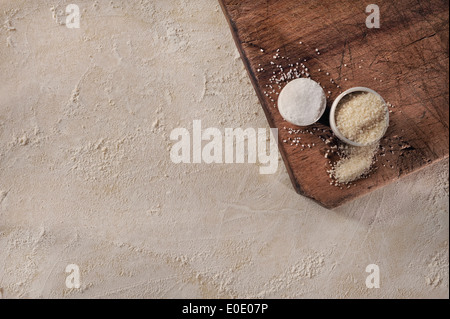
pixel 355 163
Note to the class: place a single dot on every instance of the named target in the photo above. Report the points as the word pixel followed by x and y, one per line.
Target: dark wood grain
pixel 406 61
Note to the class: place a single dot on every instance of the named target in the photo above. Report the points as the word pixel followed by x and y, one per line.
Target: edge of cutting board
pixel 335 204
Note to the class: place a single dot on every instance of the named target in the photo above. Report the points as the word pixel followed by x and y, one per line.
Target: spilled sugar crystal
pixel 362 118
pixel 354 164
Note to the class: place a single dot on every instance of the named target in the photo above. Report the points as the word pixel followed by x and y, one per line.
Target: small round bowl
pixel 333 115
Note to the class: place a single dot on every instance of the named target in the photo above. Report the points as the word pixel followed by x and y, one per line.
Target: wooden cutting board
pixel 406 60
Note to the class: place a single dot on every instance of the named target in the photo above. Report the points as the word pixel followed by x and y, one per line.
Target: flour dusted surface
pixel 94 184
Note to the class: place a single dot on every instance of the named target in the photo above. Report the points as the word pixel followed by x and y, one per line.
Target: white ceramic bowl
pixel 308 95
pixel 333 115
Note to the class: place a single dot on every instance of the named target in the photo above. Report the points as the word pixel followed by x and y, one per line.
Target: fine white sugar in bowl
pixel 302 102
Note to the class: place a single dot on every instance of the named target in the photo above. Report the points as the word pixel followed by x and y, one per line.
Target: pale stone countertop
pixel 86 177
